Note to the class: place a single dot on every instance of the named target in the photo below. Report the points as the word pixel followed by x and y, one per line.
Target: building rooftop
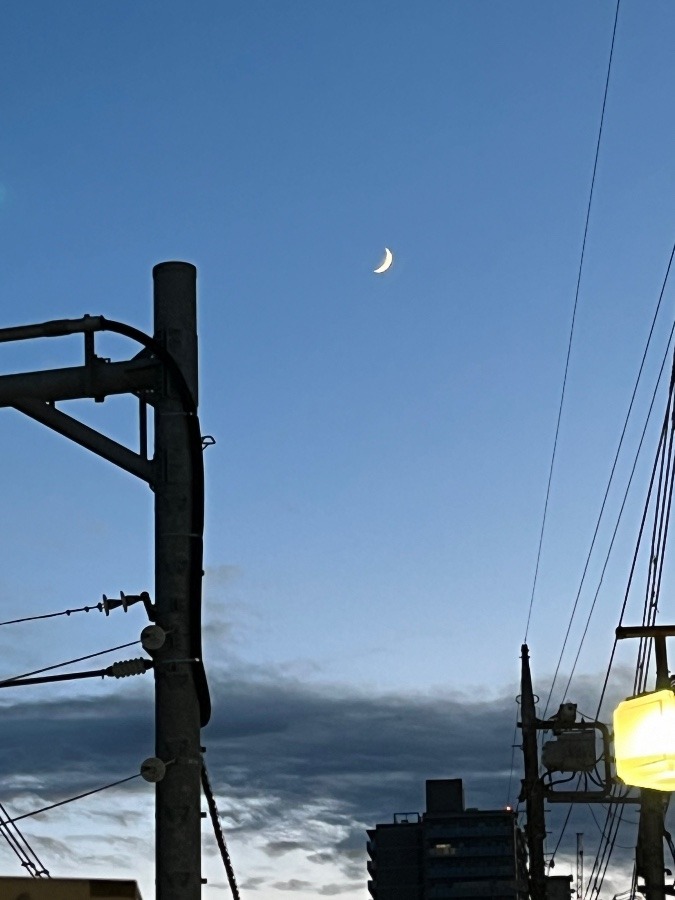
pixel 67 889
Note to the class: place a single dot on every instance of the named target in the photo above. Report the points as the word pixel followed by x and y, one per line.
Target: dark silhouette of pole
pixel 649 856
pixel 163 375
pixel 177 713
pixel 533 790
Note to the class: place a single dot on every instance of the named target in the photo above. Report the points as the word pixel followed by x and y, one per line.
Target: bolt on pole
pixel 177 714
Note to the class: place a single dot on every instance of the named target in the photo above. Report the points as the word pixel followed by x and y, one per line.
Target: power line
pixel 616 526
pixel 623 503
pixel 664 464
pixel 631 574
pixel 574 315
pixel 68 663
pixel 635 555
pixel 604 854
pixel 66 612
pixel 120 669
pixel 562 830
pixel 21 847
pixel 613 471
pixel 569 349
pixel 42 809
pixel 218 831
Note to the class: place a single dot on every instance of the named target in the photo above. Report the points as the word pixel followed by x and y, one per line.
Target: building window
pixel 442 850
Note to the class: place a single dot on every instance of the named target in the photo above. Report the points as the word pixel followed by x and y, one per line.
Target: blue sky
pixel 375 495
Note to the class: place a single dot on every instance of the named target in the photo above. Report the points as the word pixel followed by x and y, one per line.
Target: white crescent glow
pixel 386 262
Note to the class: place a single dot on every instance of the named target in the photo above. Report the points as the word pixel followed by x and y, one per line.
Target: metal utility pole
pixel 178 814
pixel 580 865
pixel 162 375
pixel 649 860
pixel 649 854
pixel 533 790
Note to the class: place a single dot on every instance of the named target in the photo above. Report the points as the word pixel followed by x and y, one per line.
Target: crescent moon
pixel 386 262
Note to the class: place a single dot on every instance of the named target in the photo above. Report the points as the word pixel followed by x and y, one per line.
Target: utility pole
pixel 162 375
pixel 532 791
pixel 649 861
pixel 580 865
pixel 177 811
pixel 649 855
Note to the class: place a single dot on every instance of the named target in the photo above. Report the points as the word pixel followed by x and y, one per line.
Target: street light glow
pixel 644 741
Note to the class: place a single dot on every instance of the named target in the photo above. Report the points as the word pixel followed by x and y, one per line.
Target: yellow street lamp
pixel 644 726
pixel 644 740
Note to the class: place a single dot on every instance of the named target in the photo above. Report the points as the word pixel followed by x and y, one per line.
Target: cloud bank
pixel 296 768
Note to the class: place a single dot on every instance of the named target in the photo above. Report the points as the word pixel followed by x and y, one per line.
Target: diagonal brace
pixel 88 437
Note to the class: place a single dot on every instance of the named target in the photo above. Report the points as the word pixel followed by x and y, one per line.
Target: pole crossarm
pixel 646 631
pixel 657 633
pixel 53 328
pixel 88 438
pixel 93 381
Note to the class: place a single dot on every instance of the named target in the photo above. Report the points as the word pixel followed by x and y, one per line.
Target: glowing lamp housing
pixel 644 741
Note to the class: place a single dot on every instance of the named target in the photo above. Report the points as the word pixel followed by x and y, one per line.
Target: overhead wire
pixel 613 820
pixel 612 809
pixel 218 831
pixel 571 332
pixel 105 787
pixel 574 315
pixel 598 826
pixel 8 828
pixel 21 846
pixel 17 850
pixel 664 465
pixel 603 857
pixel 631 574
pixel 616 527
pixel 122 669
pixel 658 546
pixel 67 663
pixel 66 612
pixel 562 832
pixel 613 471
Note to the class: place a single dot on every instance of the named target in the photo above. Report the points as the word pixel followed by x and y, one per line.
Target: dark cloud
pixel 331 890
pixel 293 884
pixel 273 738
pixel 278 848
pixel 51 848
pixel 371 752
pixel 295 768
pixel 251 884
